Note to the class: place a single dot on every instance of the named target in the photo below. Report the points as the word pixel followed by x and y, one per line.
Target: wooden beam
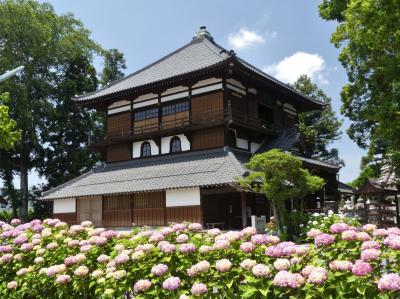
pixel 244 209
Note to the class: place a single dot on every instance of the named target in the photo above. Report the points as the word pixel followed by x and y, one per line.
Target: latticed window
pixel 146 149
pixel 175 145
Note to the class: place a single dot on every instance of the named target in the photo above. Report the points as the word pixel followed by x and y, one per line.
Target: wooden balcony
pixel 174 124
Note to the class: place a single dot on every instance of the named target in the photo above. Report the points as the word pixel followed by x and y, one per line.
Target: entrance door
pixel 90 208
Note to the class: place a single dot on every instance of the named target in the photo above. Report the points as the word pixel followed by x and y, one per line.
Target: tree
pixel 9 134
pixel 33 35
pixel 319 128
pixel 114 66
pixel 280 177
pixel 368 35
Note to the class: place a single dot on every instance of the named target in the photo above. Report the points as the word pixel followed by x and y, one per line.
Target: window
pixel 175 145
pixel 265 113
pixel 146 149
pixel 175 108
pixel 146 114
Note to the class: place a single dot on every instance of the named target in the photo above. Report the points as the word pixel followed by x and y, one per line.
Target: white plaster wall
pixel 64 205
pixel 242 143
pixel 254 146
pixel 137 146
pixel 165 143
pixel 119 104
pixel 183 197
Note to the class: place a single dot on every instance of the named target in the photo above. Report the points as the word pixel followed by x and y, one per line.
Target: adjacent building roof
pixel 345 189
pixel 201 53
pixel 207 168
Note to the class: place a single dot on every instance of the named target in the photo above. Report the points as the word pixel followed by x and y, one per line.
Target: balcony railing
pixel 205 118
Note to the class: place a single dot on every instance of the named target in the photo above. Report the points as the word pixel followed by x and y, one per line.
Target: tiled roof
pixel 207 168
pixel 201 53
pixel 285 141
pixel 196 55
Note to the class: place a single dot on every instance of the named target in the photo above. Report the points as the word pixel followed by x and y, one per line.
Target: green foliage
pixel 8 132
pixel 322 222
pixel 368 35
pixel 57 53
pixel 114 65
pixel 368 172
pixel 319 128
pixel 280 177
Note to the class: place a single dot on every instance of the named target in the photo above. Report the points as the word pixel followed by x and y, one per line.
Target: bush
pixel 51 260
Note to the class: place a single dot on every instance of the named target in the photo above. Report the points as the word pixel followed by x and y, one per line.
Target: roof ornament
pixel 203 33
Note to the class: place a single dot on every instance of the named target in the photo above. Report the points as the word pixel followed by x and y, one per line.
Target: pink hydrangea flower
pixel 247 247
pixel 187 248
pixel 380 232
pixel 117 275
pixel 142 285
pixel 259 239
pixel 349 235
pixel 70 260
pixel 21 239
pixel 202 266
pixel 214 232
pixel 369 227
pixel 223 265
pixel 317 275
pixel 103 259
pixel 273 239
pixel 285 279
pixel 282 264
pixel 159 269
pixel 81 271
pixel 248 264
pixel 199 289
pixel 156 237
pixel 12 285
pixel 121 259
pixel 363 236
pixel 6 258
pixel 324 239
pixel 172 283
pixel 312 233
pixel 361 268
pixel 168 248
pixel 195 227
pixel 392 241
pixel 339 265
pixel 205 249
pixel 63 279
pixel 249 231
pixel 15 222
pixel 370 254
pixel 389 282
pixel 221 244
pixel 179 227
pixel 182 238
pixel 394 231
pixel 5 249
pixel 338 228
pixel 273 251
pixel 261 270
pixel 370 245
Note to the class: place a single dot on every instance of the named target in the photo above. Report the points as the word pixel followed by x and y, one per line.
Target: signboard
pixel 259 223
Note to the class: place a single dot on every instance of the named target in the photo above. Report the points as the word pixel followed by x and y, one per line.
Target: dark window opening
pixel 175 108
pixel 265 113
pixel 175 145
pixel 146 114
pixel 146 149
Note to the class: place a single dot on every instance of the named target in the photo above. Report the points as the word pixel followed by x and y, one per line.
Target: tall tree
pixel 33 35
pixel 368 35
pixel 319 128
pixel 66 154
pixel 114 66
pixel 9 134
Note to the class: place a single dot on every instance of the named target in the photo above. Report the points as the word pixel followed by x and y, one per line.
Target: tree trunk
pixel 8 183
pixel 23 209
pixel 276 216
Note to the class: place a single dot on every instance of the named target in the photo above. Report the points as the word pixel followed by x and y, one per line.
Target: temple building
pixel 178 133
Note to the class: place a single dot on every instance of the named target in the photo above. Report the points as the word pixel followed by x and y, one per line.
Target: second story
pixel 199 97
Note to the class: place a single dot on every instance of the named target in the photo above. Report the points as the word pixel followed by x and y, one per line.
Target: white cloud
pixel 300 63
pixel 245 38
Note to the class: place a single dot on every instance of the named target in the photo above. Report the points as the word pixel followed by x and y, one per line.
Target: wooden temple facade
pixel 178 133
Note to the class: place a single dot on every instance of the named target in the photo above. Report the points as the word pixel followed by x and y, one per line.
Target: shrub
pixel 49 259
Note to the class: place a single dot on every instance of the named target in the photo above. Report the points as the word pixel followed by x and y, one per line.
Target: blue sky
pixel 285 38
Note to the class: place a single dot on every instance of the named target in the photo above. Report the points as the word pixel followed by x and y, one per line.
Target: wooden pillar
pixel 244 209
pixel 380 218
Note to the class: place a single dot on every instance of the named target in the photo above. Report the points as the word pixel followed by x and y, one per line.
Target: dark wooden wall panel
pixel 207 108
pixel 119 125
pixel 187 213
pixel 208 138
pixel 90 208
pixel 119 152
pixel 70 218
pixel 117 210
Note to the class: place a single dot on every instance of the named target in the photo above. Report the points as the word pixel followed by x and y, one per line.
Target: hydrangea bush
pixel 50 259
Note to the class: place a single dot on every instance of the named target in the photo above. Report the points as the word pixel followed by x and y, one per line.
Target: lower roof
pixel 192 169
